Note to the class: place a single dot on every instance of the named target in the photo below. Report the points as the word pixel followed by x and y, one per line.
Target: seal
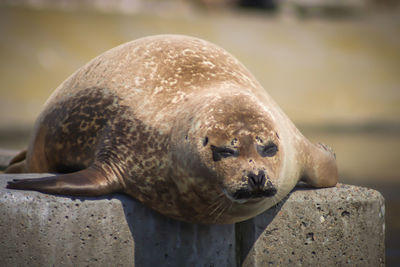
pixel 178 124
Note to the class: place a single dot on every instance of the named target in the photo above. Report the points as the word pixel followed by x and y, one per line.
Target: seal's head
pixel 235 146
pixel 242 146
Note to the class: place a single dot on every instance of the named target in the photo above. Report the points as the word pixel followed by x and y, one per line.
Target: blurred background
pixel 333 66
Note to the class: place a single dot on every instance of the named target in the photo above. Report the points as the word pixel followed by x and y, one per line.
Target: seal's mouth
pixel 245 194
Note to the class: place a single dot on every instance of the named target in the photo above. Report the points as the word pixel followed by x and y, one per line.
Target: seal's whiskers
pixel 223 210
pixel 217 203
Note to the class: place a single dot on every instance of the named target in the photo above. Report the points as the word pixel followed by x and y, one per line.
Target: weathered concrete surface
pixel 341 226
pixel 45 230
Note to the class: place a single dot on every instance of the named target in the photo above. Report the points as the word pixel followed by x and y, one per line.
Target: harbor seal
pixel 177 123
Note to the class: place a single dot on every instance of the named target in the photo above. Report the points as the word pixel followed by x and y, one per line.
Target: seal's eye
pixel 269 150
pixel 223 152
pixel 205 141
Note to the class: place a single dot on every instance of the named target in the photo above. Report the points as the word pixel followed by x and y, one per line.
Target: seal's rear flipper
pixel 19 157
pixel 17 163
pixel 88 182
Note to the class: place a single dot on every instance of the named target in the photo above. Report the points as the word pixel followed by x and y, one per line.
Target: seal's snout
pixel 256 182
pixel 258 186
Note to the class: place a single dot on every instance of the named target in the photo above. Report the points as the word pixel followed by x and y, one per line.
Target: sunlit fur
pixel 142 119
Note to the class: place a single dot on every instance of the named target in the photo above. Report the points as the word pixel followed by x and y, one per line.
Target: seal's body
pixel 177 123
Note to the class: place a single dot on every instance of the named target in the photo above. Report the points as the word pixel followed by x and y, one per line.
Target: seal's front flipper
pixel 320 168
pixel 88 182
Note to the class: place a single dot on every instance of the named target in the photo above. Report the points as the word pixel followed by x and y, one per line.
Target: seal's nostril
pixel 262 179
pixel 252 179
pixel 258 186
pixel 256 180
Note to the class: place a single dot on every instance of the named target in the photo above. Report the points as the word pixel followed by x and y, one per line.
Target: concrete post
pixel 44 230
pixel 342 226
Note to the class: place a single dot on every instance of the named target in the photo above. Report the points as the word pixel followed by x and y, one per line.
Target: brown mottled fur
pixel 142 119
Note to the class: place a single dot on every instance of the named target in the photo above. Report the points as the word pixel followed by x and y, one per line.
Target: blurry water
pixel 339 81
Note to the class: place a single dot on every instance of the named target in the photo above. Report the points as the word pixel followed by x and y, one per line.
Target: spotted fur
pixel 177 123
